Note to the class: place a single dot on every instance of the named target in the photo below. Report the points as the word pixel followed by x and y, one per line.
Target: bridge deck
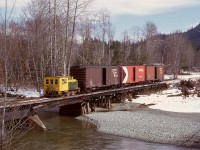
pixel 59 101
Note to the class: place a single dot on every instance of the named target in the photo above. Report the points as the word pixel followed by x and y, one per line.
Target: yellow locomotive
pixel 60 85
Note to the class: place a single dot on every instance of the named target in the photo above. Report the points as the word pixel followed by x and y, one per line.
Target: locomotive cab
pixel 60 85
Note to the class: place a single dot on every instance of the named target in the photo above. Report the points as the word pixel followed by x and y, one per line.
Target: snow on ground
pixel 176 103
pixel 26 92
pixel 194 75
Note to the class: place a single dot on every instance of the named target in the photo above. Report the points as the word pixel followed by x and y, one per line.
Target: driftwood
pixel 145 105
pixel 174 95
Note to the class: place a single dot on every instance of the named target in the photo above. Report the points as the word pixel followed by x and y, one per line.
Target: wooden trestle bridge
pixel 74 105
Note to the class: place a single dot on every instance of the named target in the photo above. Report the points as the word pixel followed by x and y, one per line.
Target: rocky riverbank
pixel 150 125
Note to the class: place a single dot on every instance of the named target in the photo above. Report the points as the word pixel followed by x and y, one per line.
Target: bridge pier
pixel 88 108
pixel 93 106
pixel 78 109
pixel 117 98
pixel 83 108
pixel 72 110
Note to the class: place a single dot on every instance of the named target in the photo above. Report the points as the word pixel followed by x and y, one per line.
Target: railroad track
pixel 59 101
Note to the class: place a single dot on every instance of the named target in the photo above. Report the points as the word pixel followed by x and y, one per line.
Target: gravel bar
pixel 150 125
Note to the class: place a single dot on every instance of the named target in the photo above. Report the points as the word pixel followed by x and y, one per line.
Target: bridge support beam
pixel 93 107
pixel 109 103
pixel 104 102
pixel 117 98
pixel 75 110
pixel 88 108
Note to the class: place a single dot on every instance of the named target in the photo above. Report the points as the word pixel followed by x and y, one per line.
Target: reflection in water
pixel 65 133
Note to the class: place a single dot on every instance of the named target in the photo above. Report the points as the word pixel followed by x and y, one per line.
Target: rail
pixel 59 101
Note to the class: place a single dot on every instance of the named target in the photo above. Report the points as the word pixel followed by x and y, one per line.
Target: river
pixel 66 133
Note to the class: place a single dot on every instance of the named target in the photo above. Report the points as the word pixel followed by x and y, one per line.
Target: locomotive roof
pixel 58 77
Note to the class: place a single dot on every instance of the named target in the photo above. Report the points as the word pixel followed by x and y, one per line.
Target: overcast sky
pixel 168 15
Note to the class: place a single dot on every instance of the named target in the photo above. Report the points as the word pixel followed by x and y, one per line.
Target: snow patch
pixel 26 93
pixel 194 76
pixel 161 100
pixel 175 104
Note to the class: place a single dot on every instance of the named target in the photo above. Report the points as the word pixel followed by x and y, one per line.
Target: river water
pixel 66 133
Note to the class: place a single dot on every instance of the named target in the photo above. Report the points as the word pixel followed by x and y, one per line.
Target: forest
pixel 52 35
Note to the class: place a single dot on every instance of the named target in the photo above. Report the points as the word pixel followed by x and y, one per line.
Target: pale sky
pixel 144 7
pixel 168 15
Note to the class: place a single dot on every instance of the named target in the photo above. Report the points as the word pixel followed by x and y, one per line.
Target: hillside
pixel 194 35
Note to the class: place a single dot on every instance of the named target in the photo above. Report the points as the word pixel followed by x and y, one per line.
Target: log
pixel 174 95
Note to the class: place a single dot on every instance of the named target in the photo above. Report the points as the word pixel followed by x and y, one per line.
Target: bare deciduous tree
pixel 126 48
pixel 179 52
pixel 104 34
pixel 8 126
pixel 152 42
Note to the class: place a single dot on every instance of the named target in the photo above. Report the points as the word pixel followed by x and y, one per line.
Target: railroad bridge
pixel 73 105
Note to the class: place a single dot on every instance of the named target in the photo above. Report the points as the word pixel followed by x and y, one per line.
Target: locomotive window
pixel 47 81
pixel 56 81
pixel 64 81
pixel 51 81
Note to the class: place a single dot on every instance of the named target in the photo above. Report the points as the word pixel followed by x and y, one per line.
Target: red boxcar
pixel 126 74
pixel 150 73
pixel 160 72
pixel 132 74
pixel 139 73
pixel 154 72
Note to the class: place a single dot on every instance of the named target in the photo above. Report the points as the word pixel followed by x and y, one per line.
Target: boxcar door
pixel 104 76
pixel 156 73
pixel 134 75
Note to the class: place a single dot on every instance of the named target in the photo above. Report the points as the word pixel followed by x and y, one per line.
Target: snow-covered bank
pixel 26 93
pixel 161 100
pixel 193 75
pixel 21 91
pixel 150 125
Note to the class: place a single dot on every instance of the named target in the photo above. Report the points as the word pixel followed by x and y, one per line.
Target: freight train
pixel 85 79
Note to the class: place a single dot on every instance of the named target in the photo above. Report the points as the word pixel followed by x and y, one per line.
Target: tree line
pixel 52 35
